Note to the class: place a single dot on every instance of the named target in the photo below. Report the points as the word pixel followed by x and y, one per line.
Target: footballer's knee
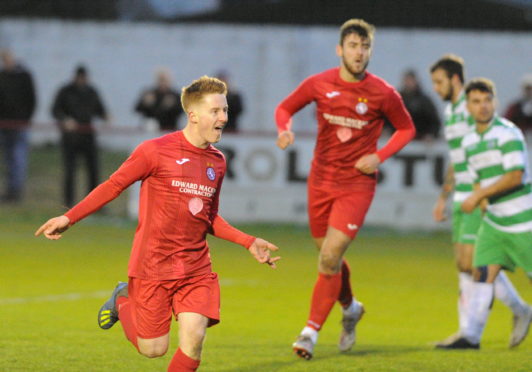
pixel 463 265
pixel 152 352
pixel 192 342
pixel 464 257
pixel 329 264
pixel 153 349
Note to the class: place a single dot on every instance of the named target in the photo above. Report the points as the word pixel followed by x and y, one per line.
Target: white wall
pixel 266 62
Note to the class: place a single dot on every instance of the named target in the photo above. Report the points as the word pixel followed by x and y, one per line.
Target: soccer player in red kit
pixel 351 106
pixel 170 267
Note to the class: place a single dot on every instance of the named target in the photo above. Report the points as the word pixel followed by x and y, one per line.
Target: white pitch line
pixel 226 282
pixel 55 298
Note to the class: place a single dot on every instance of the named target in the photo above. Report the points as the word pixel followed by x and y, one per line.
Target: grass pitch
pixel 51 291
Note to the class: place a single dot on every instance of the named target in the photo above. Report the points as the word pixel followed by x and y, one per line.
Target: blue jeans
pixel 14 143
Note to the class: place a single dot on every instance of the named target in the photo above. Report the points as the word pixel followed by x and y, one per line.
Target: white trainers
pixel 349 322
pixel 521 325
pixel 303 347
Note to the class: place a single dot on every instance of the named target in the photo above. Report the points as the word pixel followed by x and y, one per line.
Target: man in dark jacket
pixel 421 108
pixel 17 105
pixel 75 107
pixel 519 111
pixel 161 103
pixel 234 101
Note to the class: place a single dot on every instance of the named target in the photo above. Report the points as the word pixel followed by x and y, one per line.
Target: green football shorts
pixel 496 247
pixel 465 225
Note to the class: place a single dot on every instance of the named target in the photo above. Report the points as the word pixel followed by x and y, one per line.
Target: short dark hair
pixel 357 26
pixel 451 64
pixel 480 84
pixel 81 70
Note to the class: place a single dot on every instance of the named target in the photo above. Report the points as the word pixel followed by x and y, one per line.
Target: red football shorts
pixel 343 208
pixel 153 301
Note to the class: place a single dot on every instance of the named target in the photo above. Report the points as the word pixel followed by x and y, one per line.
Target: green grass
pixel 407 284
pixel 44 188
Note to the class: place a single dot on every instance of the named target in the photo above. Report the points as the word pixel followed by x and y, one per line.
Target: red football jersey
pixel 350 120
pixel 178 204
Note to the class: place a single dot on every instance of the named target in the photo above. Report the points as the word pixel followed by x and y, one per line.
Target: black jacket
pixel 424 113
pixel 81 103
pixel 17 94
pixel 166 108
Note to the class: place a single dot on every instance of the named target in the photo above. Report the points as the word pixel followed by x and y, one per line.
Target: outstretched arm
pixel 53 228
pixel 137 166
pixel 259 248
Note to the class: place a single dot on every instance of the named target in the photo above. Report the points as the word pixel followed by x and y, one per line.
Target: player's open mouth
pixel 219 128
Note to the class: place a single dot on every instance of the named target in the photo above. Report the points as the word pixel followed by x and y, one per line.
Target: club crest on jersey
pixel 362 106
pixel 211 174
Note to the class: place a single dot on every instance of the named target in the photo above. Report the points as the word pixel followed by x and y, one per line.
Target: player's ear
pixel 339 50
pixel 455 79
pixel 192 116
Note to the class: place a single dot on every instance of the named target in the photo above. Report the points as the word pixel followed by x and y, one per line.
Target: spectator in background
pixel 520 111
pixel 234 101
pixel 75 107
pixel 161 103
pixel 17 105
pixel 420 107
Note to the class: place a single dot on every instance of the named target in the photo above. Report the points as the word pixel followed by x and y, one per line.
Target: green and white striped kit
pixel 458 123
pixel 489 156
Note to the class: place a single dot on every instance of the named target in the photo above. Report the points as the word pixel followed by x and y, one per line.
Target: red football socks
pixel 183 363
pixel 126 318
pixel 326 292
pixel 346 294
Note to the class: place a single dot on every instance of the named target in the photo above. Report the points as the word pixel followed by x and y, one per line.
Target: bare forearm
pixel 448 183
pixel 507 182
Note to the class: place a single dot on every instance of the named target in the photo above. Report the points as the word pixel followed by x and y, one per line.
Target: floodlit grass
pixel 407 284
pixel 50 293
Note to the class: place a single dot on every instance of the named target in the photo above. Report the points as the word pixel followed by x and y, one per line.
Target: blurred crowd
pixel 76 108
pixel 78 105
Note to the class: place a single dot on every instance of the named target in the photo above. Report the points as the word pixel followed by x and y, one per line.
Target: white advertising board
pixel 266 184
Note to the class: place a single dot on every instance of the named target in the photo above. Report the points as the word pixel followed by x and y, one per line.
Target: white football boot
pixel 349 322
pixel 521 325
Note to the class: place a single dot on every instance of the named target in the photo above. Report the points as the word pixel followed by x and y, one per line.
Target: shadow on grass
pixel 264 367
pixel 329 355
pixel 384 350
